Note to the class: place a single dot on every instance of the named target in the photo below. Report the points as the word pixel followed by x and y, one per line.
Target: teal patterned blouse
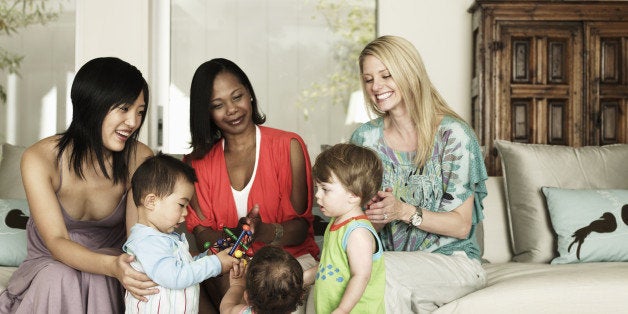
pixel 452 174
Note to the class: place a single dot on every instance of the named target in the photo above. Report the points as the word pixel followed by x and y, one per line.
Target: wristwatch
pixel 417 218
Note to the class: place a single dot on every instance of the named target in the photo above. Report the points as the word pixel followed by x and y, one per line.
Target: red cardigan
pixel 271 189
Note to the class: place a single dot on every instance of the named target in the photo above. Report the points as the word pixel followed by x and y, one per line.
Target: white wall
pixel 115 28
pixel 441 31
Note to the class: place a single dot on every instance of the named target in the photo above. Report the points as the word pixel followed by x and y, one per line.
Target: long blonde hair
pixel 424 103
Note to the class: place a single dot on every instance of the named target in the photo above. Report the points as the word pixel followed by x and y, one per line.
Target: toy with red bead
pixel 240 245
pixel 240 242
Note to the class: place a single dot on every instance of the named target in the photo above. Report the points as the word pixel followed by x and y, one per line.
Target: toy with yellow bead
pixel 240 245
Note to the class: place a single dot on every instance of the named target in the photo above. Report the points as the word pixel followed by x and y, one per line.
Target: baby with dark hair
pixel 271 283
pixel 162 188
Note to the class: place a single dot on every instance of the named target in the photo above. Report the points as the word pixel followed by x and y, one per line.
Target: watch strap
pixel 278 234
pixel 419 210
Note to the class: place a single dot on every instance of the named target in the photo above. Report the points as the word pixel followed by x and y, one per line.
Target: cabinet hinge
pixel 495 45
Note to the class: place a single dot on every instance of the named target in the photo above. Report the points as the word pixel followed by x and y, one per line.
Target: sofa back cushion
pixel 10 176
pixel 528 167
pixel 495 244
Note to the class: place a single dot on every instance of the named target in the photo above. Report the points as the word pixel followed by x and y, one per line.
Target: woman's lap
pixel 57 287
pixel 421 282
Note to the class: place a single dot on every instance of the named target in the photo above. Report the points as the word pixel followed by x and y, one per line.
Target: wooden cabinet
pixel 549 72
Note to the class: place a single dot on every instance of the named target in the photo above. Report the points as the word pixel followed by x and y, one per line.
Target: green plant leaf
pixel 354 23
pixel 16 15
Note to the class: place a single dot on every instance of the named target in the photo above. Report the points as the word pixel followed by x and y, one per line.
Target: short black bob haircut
pixel 100 85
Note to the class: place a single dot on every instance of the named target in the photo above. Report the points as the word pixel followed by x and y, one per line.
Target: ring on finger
pixel 385 216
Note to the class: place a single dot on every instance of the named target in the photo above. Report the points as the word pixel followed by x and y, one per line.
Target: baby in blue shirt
pixel 162 188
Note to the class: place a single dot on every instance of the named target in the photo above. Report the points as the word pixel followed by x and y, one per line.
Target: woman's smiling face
pixel 230 106
pixel 121 122
pixel 379 84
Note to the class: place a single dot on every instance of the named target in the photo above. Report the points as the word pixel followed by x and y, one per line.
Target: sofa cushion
pixel 528 167
pixel 13 217
pixel 10 175
pixel 495 243
pixel 544 288
pixel 592 225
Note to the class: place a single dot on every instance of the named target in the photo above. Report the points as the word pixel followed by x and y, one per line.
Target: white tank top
pixel 241 198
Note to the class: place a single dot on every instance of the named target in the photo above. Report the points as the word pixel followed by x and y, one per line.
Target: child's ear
pixel 150 200
pixel 354 199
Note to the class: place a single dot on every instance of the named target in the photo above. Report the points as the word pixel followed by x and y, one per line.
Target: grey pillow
pixel 10 176
pixel 528 167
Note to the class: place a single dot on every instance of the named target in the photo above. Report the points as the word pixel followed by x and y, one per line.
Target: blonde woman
pixel 431 198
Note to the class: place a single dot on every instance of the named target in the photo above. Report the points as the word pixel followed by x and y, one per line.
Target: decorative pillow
pixel 13 216
pixel 10 175
pixel 592 225
pixel 528 167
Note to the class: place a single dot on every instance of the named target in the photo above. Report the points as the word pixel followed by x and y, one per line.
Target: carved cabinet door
pixel 549 72
pixel 540 82
pixel 607 83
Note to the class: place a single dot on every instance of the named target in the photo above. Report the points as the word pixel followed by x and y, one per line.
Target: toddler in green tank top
pixel 350 277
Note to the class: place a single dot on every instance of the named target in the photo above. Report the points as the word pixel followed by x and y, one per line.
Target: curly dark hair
pixel 274 281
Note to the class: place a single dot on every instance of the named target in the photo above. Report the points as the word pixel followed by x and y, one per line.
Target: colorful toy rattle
pixel 238 244
pixel 246 232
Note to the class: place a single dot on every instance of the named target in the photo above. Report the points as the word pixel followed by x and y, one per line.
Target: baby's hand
pixel 226 260
pixel 237 274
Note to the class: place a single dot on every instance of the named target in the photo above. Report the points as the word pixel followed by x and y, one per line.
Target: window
pixel 38 103
pixel 299 55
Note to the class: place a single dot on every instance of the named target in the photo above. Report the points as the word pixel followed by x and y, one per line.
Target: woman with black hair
pixel 76 184
pixel 247 173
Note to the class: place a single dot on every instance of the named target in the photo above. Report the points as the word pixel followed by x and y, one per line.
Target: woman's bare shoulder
pixel 142 152
pixel 143 149
pixel 43 150
pixel 40 159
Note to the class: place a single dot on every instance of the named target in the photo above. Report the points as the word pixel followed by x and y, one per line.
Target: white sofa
pixel 515 285
pixel 518 287
pixel 522 236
